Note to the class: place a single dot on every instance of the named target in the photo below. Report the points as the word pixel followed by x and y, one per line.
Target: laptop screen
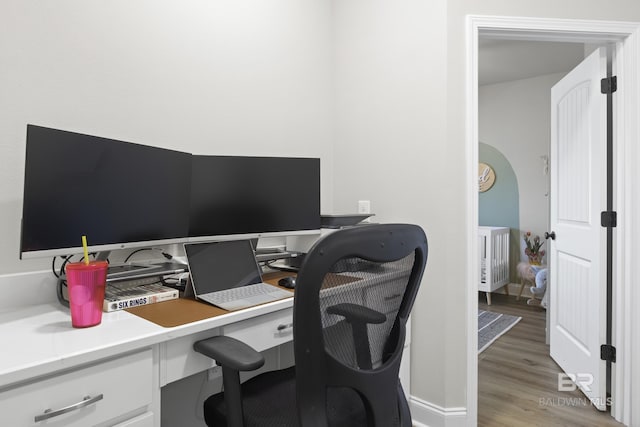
pixel 215 266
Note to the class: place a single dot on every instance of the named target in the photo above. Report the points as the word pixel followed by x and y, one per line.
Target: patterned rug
pixel 492 326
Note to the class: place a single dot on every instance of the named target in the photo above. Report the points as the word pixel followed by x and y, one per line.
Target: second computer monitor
pixel 240 195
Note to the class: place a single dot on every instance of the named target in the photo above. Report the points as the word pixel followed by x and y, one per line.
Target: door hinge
pixel 609 219
pixel 609 84
pixel 608 353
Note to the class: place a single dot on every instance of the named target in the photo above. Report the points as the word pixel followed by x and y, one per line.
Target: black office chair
pixel 354 293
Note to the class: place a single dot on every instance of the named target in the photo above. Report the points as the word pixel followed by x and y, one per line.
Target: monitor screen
pixel 240 195
pixel 113 192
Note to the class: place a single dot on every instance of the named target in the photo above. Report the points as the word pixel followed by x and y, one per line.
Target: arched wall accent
pixel 500 205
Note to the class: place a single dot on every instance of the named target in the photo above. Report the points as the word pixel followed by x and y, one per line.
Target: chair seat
pixel 270 400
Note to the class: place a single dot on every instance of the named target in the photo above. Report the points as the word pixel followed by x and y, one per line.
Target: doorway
pixel 624 38
pixel 515 78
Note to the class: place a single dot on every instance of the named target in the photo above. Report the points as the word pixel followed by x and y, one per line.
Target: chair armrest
pixel 230 353
pixel 357 313
pixel 359 316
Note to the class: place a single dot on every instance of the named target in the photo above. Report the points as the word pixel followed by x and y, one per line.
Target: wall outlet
pixel 364 206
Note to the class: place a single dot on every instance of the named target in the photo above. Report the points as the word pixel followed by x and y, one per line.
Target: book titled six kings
pixel 120 297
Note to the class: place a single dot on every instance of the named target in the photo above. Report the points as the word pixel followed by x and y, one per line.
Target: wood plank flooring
pixel 518 380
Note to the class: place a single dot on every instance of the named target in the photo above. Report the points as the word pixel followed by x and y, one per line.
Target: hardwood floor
pixel 518 380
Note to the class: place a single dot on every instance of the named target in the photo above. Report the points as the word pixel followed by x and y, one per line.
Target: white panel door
pixel 577 267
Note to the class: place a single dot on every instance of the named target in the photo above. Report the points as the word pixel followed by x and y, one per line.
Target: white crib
pixel 494 259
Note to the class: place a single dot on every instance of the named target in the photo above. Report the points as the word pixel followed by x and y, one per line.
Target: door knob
pixel 551 235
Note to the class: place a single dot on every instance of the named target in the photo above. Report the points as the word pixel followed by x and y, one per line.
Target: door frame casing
pixel 625 36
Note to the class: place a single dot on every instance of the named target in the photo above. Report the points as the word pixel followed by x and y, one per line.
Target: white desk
pixel 47 364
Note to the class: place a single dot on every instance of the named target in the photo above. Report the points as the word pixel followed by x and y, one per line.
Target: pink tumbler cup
pixel 85 285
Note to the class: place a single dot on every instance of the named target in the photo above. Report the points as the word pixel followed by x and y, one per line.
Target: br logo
pixel 570 382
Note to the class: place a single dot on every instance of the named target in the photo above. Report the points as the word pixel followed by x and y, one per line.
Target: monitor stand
pixel 124 272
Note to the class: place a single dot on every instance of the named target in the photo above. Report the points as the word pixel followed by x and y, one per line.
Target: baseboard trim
pixel 427 414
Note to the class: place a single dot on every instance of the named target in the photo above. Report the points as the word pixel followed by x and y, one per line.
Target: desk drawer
pixel 263 332
pixel 102 392
pixel 179 360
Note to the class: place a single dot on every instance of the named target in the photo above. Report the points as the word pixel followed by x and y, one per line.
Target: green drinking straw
pixel 86 250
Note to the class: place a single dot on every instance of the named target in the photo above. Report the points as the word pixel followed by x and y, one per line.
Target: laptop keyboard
pixel 255 293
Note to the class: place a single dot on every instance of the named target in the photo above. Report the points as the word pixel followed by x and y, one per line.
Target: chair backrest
pixel 354 293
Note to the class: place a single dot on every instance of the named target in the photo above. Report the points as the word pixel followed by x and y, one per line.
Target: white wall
pixel 210 77
pixel 391 149
pixel 515 118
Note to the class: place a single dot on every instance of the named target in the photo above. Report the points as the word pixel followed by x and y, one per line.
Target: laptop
pixel 227 275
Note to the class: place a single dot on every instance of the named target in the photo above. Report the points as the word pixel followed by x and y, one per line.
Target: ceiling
pixel 507 60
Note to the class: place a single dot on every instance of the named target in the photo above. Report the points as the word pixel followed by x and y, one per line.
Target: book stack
pixel 122 295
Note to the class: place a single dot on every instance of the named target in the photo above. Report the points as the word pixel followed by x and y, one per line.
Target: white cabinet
pixel 144 420
pixel 179 360
pixel 263 332
pixel 113 390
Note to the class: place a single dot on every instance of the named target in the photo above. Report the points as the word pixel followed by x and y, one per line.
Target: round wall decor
pixel 486 177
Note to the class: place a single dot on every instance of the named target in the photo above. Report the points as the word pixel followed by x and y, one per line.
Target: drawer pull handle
pixel 283 327
pixel 49 413
pixel 390 297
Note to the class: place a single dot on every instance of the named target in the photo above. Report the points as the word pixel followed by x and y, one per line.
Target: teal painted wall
pixel 500 205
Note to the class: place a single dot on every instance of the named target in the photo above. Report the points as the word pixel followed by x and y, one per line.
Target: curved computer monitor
pixel 118 194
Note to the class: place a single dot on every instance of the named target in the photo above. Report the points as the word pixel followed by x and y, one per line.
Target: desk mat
pixel 181 311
